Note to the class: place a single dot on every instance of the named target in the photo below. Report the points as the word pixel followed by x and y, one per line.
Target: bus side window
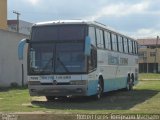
pixel 120 42
pixel 114 42
pixel 93 59
pixel 92 35
pixel 100 41
pixel 125 45
pixel 117 43
pixel 134 52
pixel 107 37
pixel 136 47
pixel 130 46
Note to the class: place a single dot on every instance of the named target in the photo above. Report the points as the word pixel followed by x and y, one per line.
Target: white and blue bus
pixel 79 58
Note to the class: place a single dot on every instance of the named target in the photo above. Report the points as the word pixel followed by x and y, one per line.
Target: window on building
pixel 107 36
pixel 92 35
pixel 152 47
pixel 142 54
pixel 152 54
pixel 114 42
pixel 140 46
pixel 100 41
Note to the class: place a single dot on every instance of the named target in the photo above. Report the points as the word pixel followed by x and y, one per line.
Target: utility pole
pixel 155 59
pixel 18 14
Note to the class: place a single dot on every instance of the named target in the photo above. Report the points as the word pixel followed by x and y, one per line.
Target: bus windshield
pixel 58 32
pixel 57 49
pixel 57 58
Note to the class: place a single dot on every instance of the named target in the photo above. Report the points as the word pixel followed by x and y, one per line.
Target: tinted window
pixel 136 47
pixel 92 59
pixel 92 35
pixel 69 58
pixel 47 58
pixel 125 45
pixel 133 47
pixel 107 36
pixel 100 42
pixel 58 32
pixel 120 42
pixel 114 42
pixel 130 46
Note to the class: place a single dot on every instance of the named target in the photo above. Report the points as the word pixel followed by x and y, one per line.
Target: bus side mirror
pixel 87 46
pixel 21 48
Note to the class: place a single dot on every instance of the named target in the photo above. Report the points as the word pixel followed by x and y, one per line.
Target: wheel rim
pixel 129 84
pixel 99 90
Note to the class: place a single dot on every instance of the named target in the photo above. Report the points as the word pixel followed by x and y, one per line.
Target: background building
pixel 10 66
pixel 3 14
pixel 149 55
pixel 24 27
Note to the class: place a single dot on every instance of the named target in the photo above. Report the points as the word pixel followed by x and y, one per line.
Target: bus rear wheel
pixel 50 98
pixel 130 83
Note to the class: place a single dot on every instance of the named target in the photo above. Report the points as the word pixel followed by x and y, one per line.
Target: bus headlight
pixel 78 82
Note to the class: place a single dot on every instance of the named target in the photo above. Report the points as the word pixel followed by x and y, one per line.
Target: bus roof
pixel 89 22
pixel 68 22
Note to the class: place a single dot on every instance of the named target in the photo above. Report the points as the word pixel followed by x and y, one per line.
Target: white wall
pixel 10 66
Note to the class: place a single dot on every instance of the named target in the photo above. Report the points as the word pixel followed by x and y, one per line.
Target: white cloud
pixel 144 33
pixel 121 9
pixel 34 2
pixel 150 32
pixel 136 18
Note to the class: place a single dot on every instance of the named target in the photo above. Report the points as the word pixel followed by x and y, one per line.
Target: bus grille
pixel 60 83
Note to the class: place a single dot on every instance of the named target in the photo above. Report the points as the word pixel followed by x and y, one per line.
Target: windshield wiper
pixel 62 64
pixel 47 64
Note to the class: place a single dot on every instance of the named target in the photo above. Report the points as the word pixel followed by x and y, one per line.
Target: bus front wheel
pixel 99 89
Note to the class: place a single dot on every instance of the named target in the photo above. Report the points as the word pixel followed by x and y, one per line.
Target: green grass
pixel 144 99
pixel 149 76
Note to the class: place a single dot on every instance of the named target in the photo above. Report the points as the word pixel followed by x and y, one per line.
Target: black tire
pixel 62 97
pixel 130 82
pixel 50 98
pixel 99 89
pixel 132 78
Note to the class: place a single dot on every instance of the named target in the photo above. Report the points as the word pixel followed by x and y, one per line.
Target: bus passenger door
pixel 92 62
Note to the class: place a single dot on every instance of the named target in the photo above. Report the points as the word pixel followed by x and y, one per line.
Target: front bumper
pixel 58 90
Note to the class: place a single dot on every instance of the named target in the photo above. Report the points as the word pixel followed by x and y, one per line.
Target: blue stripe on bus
pixel 109 85
pixel 92 87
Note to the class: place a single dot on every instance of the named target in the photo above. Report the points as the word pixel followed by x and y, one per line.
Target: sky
pixel 135 18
